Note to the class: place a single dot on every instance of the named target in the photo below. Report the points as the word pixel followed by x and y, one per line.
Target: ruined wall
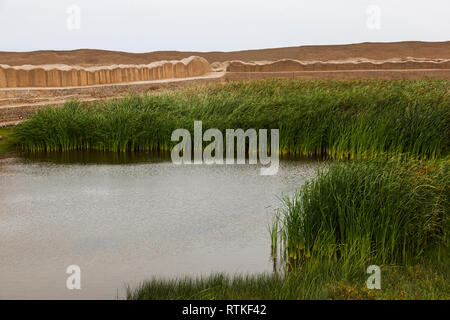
pixel 68 76
pixel 296 65
pixel 438 74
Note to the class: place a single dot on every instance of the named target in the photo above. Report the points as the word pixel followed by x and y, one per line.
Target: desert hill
pixel 373 51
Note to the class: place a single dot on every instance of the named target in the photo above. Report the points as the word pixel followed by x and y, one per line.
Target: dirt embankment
pixel 348 64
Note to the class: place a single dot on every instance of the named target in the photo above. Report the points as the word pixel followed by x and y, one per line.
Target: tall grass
pixel 321 281
pixel 336 119
pixel 394 214
pixel 368 212
pixel 7 140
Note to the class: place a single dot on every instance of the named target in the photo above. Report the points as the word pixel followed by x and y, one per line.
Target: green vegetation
pixel 394 214
pixel 318 282
pixel 391 211
pixel 336 119
pixel 7 142
pixel 368 212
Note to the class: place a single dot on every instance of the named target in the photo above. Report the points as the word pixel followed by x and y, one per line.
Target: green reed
pixel 317 281
pixel 362 212
pixel 334 119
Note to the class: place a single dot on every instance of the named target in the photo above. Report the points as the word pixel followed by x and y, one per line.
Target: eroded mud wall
pixel 68 76
pixel 295 65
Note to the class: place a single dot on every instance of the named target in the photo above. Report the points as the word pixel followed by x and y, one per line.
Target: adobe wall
pixel 296 65
pixel 71 76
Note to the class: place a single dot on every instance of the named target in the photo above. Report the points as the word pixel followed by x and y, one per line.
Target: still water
pixel 126 218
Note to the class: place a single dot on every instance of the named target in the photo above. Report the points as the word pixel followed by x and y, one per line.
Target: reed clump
pixel 333 119
pixel 368 212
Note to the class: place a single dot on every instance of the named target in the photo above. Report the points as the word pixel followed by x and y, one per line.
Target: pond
pixel 126 218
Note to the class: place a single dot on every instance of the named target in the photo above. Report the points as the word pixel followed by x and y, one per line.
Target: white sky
pixel 215 25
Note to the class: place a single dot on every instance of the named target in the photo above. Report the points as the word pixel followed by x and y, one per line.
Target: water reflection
pixel 97 157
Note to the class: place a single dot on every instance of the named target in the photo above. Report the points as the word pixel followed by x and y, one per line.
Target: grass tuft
pixel 7 142
pixel 368 212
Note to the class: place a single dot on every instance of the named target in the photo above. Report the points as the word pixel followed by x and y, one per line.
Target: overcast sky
pixel 215 25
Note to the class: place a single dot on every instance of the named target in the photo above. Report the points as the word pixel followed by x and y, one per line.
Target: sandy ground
pixel 374 51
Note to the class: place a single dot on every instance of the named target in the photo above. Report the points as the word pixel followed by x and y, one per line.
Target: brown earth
pixel 374 51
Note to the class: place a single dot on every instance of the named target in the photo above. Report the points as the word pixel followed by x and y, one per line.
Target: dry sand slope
pixel 31 80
